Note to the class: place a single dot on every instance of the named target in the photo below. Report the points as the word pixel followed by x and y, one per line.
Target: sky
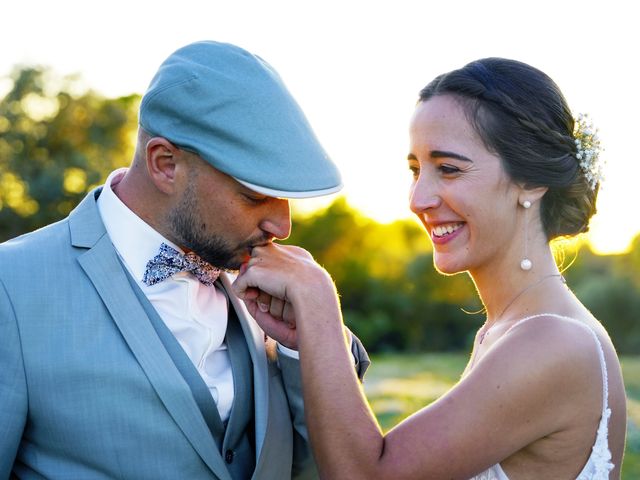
pixel 356 68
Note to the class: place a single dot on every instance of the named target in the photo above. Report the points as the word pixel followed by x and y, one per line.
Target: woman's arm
pixel 509 400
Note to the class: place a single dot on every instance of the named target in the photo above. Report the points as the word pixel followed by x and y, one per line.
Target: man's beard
pixel 189 232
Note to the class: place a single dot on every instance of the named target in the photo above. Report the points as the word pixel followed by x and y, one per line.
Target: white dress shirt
pixel 195 314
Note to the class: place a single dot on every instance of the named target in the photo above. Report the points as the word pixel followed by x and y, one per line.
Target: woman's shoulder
pixel 550 354
pixel 554 333
pixel 578 339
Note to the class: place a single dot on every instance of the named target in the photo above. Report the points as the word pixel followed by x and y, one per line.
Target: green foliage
pixel 616 302
pixel 607 285
pixel 631 374
pixel 55 145
pixel 628 266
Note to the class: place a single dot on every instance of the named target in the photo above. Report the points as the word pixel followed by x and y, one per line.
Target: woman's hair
pixel 521 115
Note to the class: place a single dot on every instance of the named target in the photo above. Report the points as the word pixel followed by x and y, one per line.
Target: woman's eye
pixel 448 169
pixel 415 171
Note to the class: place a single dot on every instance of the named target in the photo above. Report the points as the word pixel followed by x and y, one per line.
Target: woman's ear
pixel 531 195
pixel 161 157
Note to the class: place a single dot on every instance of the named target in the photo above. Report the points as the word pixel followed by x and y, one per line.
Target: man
pixel 124 353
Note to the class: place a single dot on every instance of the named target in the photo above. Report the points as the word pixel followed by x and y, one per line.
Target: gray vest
pixel 235 438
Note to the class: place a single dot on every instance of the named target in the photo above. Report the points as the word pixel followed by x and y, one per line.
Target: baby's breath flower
pixel 588 150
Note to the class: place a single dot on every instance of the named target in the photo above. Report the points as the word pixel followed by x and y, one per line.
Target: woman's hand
pixel 277 284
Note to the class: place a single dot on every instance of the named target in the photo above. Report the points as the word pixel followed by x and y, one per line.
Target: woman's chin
pixel 447 267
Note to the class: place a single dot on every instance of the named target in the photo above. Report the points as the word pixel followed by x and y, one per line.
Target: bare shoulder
pixel 567 343
pixel 550 344
pixel 552 362
pixel 572 335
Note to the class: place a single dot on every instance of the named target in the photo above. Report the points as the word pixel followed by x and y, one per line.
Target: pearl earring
pixel 526 264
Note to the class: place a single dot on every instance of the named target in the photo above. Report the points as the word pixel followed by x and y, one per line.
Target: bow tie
pixel 169 261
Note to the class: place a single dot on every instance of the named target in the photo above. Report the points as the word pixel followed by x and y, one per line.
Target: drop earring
pixel 526 264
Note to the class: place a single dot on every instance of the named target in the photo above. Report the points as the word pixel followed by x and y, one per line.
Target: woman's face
pixel 460 191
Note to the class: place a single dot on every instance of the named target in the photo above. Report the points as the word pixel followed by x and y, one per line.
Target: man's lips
pixel 244 266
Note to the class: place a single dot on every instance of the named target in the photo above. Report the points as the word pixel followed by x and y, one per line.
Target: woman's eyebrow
pixel 447 154
pixel 442 154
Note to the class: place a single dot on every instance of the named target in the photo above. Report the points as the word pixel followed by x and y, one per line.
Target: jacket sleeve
pixel 13 390
pixel 360 356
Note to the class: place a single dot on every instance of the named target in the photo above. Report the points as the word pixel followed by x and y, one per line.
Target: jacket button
pixel 228 456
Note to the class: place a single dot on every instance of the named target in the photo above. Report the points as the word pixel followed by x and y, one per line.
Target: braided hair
pixel 521 115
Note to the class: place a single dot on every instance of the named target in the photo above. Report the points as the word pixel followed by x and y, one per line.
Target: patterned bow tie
pixel 169 261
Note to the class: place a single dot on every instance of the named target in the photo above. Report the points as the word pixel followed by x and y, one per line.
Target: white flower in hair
pixel 588 150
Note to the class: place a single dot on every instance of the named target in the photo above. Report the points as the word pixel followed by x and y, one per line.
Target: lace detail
pixel 599 464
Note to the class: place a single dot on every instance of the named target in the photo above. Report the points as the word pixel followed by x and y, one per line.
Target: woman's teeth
pixel 442 230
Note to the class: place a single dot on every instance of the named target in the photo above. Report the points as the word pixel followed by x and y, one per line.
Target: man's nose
pixel 277 222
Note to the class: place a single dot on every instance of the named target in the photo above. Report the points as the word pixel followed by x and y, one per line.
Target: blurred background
pixel 71 76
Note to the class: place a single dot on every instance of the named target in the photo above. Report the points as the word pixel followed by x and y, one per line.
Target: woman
pixel 498 172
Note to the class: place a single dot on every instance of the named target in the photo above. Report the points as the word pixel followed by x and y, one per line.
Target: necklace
pixel 518 295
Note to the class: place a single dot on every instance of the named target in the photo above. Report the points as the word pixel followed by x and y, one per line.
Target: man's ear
pixel 161 156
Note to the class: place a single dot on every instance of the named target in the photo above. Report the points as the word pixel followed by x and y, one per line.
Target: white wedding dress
pixel 599 463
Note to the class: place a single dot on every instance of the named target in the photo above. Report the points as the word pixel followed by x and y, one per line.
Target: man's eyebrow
pixel 442 154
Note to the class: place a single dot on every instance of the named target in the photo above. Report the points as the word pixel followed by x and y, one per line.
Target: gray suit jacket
pixel 87 390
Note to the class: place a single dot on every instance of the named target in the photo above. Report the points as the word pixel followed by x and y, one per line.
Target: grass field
pixel 398 385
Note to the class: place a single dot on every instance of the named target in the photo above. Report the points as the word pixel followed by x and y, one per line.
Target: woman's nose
pixel 423 195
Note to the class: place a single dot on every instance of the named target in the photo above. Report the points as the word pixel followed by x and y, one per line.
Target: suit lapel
pixel 102 266
pixel 256 343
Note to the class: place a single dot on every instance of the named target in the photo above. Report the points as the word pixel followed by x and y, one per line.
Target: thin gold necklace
pixel 518 295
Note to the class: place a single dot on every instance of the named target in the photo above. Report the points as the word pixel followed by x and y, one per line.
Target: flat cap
pixel 233 109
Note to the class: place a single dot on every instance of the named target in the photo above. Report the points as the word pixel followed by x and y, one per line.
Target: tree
pixel 608 286
pixel 55 145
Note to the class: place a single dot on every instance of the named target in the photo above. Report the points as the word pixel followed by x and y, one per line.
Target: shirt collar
pixel 135 240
